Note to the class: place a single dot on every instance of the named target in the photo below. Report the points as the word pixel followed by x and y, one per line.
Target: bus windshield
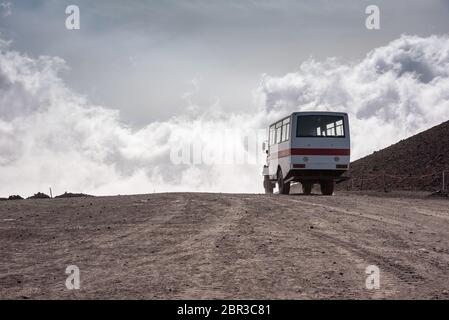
pixel 320 126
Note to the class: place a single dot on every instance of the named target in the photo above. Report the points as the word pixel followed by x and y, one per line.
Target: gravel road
pixel 231 246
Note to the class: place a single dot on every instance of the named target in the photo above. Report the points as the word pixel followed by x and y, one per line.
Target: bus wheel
pixel 327 187
pixel 307 187
pixel 268 186
pixel 284 187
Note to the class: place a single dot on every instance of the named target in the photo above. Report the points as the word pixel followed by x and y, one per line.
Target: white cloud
pixel 51 136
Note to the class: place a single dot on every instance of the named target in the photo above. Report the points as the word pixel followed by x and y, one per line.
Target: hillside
pixel 415 163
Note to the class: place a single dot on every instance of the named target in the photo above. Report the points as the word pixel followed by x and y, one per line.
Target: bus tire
pixel 284 187
pixel 307 187
pixel 327 187
pixel 268 185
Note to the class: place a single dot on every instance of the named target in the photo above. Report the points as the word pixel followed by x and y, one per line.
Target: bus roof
pixel 319 112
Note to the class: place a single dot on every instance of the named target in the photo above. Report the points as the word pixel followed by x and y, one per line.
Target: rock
pixel 15 197
pixel 73 195
pixel 39 195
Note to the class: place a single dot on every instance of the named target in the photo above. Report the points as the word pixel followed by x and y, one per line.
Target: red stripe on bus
pixel 312 152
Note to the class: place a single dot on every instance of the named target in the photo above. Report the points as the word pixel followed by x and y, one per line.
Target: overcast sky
pixel 148 58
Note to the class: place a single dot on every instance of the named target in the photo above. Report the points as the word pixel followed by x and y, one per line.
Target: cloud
pixel 52 136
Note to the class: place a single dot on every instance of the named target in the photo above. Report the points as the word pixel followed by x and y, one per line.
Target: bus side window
pixel 272 135
pixel 285 129
pixel 279 132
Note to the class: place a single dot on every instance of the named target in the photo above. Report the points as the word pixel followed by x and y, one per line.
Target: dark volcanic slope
pixel 416 163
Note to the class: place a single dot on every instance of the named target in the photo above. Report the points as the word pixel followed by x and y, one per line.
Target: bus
pixel 308 148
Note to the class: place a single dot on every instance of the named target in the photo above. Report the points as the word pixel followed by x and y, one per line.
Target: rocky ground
pixel 416 163
pixel 232 246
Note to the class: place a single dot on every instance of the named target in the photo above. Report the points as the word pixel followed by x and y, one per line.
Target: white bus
pixel 309 148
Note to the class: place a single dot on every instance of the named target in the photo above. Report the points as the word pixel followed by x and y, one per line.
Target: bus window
pixel 320 126
pixel 285 129
pixel 279 132
pixel 272 135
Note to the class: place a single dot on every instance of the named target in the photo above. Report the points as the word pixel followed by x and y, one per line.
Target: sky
pixel 112 100
pixel 145 58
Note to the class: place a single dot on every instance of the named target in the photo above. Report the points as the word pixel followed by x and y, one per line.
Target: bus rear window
pixel 320 126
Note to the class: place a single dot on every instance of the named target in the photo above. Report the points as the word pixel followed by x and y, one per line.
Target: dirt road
pixel 198 246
